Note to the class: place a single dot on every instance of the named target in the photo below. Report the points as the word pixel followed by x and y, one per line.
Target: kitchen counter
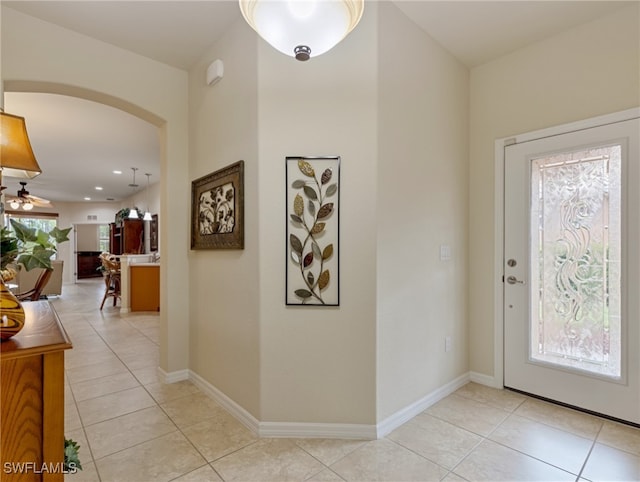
pixel 140 283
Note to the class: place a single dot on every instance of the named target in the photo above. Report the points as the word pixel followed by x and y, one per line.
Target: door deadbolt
pixel 511 263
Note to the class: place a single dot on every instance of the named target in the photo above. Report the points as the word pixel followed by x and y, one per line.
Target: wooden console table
pixel 32 398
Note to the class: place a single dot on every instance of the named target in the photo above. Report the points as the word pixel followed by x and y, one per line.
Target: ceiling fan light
pixel 302 28
pixel 27 206
pixel 16 155
pixel 14 204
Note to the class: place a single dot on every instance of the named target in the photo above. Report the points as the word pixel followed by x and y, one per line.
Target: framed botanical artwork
pixel 217 209
pixel 313 231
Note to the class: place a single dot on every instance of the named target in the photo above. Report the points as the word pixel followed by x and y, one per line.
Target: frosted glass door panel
pixel 575 260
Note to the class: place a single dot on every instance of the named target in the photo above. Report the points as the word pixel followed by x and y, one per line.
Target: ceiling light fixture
pixel 133 212
pixel 302 28
pixel 147 213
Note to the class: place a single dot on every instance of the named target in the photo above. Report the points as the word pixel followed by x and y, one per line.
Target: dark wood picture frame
pixel 217 209
pixel 153 233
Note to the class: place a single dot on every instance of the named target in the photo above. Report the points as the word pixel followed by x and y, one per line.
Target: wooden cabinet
pixel 88 264
pixel 32 398
pixel 145 287
pixel 127 237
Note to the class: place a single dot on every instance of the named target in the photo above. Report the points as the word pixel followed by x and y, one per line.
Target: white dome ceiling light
pixel 302 28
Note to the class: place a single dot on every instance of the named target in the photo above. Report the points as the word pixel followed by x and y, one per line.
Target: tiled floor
pixel 133 428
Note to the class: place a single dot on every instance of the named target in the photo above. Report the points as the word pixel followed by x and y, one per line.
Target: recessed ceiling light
pixel 98 188
pixel 117 172
pixel 87 199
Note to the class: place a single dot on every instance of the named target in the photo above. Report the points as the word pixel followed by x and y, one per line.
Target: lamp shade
pixel 16 155
pixel 302 28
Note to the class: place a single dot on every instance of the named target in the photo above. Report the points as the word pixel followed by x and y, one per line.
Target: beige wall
pixel 38 56
pixel 421 204
pixel 397 300
pixel 224 296
pixel 318 364
pixel 288 364
pixel 587 71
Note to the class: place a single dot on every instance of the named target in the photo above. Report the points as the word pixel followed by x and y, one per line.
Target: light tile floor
pixel 131 427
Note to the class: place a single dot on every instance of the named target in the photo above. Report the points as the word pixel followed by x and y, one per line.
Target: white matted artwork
pixel 313 231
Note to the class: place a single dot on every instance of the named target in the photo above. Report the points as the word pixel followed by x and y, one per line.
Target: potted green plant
pixel 71 460
pixel 30 248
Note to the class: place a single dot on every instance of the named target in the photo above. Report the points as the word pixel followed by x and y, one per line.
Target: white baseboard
pixel 483 379
pixel 318 430
pixel 402 416
pixel 242 415
pixel 173 377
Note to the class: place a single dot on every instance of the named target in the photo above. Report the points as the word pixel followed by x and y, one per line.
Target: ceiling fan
pixel 27 201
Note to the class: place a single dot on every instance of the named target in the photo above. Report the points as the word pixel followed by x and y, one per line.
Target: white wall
pixel 403 180
pixel 224 296
pixel 318 363
pixel 587 71
pixel 38 56
pixel 421 205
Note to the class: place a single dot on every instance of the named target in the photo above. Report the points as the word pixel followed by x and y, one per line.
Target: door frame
pixel 499 199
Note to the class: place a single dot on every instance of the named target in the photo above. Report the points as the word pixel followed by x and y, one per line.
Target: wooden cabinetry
pixel 145 287
pixel 127 237
pixel 88 264
pixel 32 398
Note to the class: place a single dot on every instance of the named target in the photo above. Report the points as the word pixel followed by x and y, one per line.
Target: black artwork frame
pixel 313 231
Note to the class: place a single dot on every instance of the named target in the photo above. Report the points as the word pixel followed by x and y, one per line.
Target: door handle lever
pixel 512 280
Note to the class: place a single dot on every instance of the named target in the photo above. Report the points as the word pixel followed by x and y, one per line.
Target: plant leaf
pixel 305 168
pixel 328 251
pixel 71 459
pixel 332 189
pixel 60 235
pixel 310 192
pixel 297 184
pixel 296 257
pixel 326 176
pixel 23 233
pixel 310 278
pixel 298 205
pixel 308 259
pixel 296 219
pixel 316 250
pixel 312 208
pixel 323 280
pixel 318 228
pixel 325 211
pixel 303 293
pixel 41 258
pixel 296 244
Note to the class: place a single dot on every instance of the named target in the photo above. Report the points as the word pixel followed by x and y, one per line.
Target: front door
pixel 572 268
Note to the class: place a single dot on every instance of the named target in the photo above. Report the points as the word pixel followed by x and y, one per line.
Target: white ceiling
pixel 80 153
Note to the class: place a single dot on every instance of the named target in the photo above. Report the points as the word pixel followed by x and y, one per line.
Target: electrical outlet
pixel 447 343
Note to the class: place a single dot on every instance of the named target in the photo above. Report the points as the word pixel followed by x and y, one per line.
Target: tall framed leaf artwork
pixel 313 231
